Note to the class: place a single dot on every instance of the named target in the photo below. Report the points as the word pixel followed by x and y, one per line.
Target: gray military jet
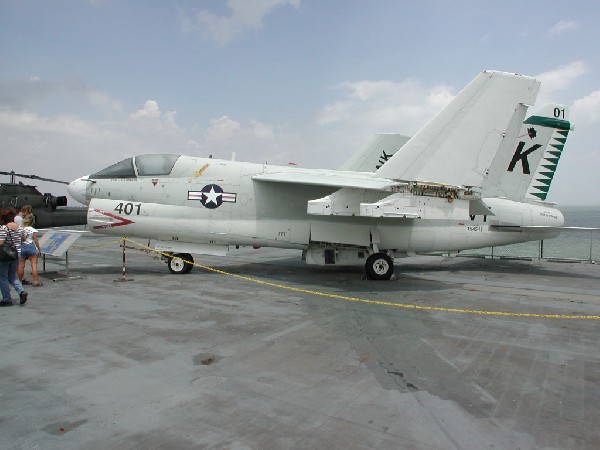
pixel 470 178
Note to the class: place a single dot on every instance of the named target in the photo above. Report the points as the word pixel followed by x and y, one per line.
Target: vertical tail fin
pixel 525 171
pixel 376 154
pixel 458 145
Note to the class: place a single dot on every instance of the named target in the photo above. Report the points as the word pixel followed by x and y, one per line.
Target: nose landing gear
pixel 180 263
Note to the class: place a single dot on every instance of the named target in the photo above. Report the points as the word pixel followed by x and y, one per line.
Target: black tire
pixel 180 263
pixel 379 266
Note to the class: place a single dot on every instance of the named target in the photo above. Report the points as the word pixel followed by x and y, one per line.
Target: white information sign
pixel 57 242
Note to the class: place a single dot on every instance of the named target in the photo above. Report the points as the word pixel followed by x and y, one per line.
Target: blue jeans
pixel 8 276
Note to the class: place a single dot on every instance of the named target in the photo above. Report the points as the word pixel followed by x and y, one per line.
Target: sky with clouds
pixel 84 84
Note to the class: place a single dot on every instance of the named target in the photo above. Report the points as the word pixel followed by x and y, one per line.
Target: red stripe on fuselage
pixel 121 220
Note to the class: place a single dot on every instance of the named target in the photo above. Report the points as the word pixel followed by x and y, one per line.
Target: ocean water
pixel 581 216
pixel 582 245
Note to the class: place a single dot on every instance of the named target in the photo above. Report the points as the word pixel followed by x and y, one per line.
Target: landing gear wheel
pixel 379 266
pixel 177 263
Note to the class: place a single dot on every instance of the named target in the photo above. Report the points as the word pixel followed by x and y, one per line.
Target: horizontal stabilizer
pixel 541 227
pixel 458 145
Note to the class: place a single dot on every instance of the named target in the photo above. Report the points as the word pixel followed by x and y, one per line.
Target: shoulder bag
pixel 8 251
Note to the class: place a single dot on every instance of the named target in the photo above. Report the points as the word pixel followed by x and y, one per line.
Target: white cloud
pixel 245 15
pixel 262 130
pixel 385 106
pixel 586 110
pixel 253 142
pixel 34 123
pixel 562 26
pixel 101 100
pixel 150 109
pixel 557 82
pixel 225 131
pixel 151 117
pixel 25 91
pixel 66 146
pixel 61 147
pixel 562 77
pixel 366 108
pixel 222 129
pixel 30 91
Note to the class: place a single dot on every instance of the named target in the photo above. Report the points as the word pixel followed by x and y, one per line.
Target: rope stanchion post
pixel 123 278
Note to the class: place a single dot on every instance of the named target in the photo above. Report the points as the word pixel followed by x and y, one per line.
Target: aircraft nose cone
pixel 77 189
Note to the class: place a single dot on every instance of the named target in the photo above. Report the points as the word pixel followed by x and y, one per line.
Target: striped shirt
pixel 16 236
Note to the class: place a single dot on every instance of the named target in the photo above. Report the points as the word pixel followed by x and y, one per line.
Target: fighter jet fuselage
pixel 219 204
pixel 453 186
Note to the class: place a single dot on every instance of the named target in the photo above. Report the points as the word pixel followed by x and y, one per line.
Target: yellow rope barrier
pixel 375 302
pixel 97 246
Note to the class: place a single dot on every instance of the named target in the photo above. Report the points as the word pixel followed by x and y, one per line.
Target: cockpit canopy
pixel 139 166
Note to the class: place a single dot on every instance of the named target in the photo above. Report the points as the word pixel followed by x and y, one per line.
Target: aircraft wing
pixel 356 180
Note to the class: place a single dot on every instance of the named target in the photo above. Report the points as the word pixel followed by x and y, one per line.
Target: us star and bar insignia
pixel 212 196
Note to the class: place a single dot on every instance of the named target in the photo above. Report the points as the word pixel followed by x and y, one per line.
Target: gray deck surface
pixel 206 360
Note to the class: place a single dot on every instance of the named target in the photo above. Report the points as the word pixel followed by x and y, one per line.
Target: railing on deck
pixel 572 245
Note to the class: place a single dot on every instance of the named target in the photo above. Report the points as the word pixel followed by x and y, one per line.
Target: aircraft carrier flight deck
pixel 266 352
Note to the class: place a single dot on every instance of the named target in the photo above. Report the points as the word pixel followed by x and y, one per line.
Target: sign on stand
pixel 57 243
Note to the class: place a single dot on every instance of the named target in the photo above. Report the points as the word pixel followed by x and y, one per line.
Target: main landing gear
pixel 180 263
pixel 379 266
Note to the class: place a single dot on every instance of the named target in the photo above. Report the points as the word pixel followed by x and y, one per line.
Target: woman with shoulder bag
pixel 10 231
